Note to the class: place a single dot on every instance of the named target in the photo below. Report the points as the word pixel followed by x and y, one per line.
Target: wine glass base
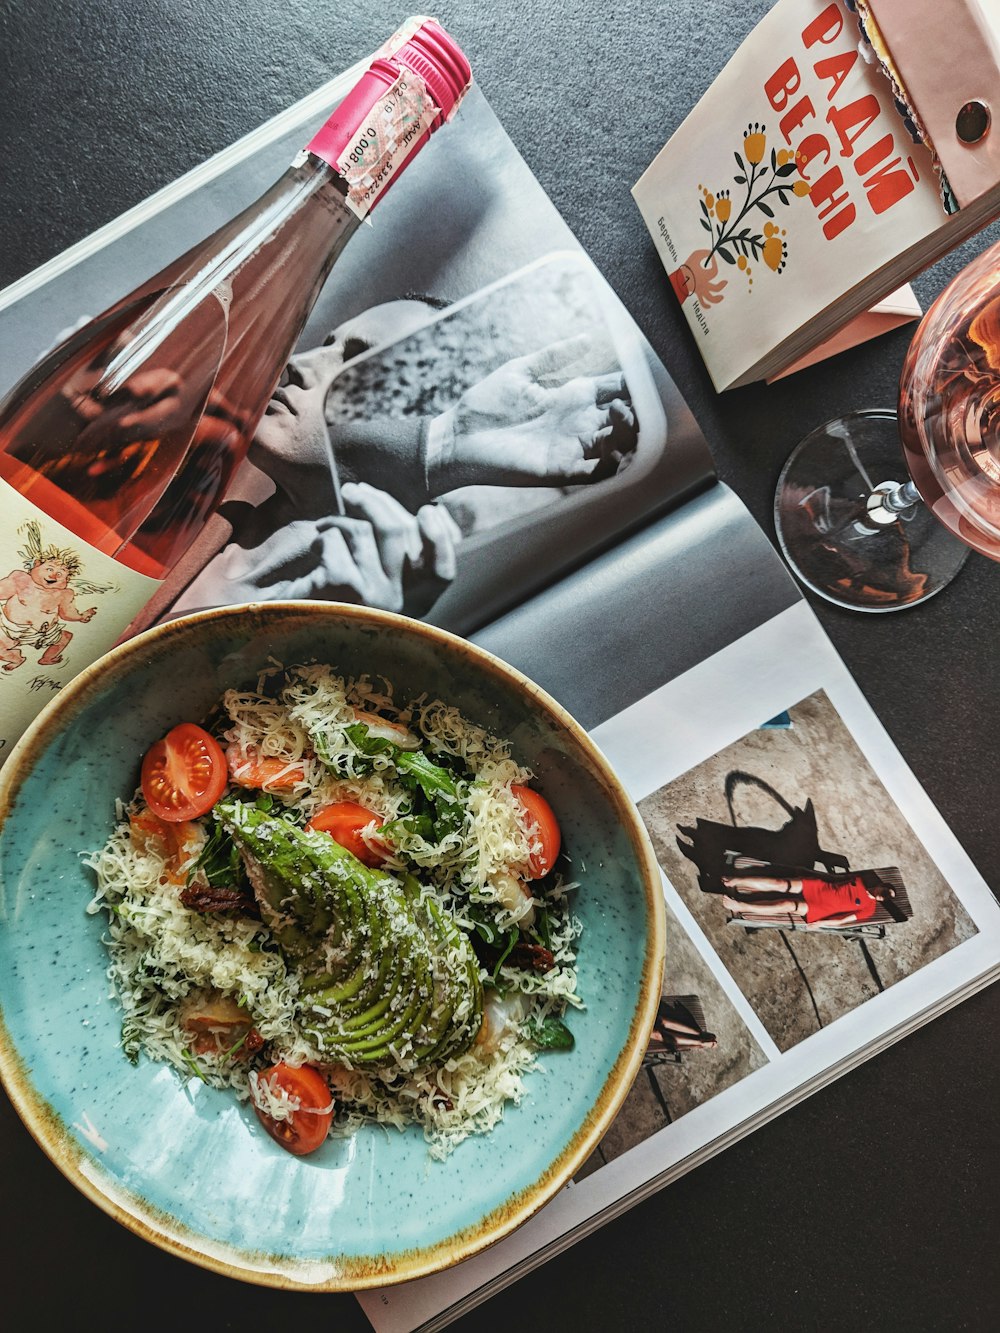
pixel 827 536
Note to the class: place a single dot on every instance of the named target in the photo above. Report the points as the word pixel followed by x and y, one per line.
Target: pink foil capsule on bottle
pixel 414 84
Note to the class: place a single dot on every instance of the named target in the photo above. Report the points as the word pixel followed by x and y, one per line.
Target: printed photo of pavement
pixel 801 796
pixel 668 1089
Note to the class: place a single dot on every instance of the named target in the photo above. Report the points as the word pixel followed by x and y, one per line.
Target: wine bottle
pixel 118 445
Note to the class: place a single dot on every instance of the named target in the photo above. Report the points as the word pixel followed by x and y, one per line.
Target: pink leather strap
pixel 947 54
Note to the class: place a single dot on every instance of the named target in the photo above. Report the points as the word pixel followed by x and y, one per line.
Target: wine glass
pixel 875 527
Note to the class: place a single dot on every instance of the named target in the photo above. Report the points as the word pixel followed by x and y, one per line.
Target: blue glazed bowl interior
pixel 186 1165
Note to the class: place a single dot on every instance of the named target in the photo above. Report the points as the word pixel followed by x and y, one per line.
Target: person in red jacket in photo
pixel 821 901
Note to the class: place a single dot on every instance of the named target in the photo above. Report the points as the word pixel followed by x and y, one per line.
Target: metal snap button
pixel 973 122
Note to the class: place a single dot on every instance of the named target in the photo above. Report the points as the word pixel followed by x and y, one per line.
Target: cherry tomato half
pixel 184 774
pixel 310 1123
pixel 543 828
pixel 344 821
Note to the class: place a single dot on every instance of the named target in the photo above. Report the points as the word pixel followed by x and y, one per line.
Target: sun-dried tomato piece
pixel 532 956
pixel 204 898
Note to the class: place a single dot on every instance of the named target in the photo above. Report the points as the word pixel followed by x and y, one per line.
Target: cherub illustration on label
pixel 731 237
pixel 38 599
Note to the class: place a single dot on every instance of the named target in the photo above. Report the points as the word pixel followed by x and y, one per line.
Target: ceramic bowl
pixel 188 1167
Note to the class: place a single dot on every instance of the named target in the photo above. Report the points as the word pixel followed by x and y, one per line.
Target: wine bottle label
pixel 397 121
pixel 62 604
pixel 386 133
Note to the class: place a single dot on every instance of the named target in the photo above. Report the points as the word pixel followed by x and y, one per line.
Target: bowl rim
pixel 359 1273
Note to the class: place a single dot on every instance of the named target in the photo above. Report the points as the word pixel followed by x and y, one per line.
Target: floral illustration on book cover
pixel 737 234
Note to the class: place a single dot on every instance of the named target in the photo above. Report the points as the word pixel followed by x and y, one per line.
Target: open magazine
pixel 475 431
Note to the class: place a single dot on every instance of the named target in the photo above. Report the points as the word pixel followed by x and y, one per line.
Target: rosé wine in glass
pixel 949 406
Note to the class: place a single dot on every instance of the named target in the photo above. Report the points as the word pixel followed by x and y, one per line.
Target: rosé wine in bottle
pixel 118 445
pixel 949 405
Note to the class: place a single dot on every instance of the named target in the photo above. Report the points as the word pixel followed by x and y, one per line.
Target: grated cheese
pixel 162 952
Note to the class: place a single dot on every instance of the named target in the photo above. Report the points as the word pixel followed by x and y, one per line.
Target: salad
pixel 344 908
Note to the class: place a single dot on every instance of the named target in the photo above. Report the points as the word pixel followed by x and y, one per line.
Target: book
pixel 820 170
pixel 633 585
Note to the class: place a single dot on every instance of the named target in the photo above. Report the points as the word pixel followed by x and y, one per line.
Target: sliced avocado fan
pixel 388 980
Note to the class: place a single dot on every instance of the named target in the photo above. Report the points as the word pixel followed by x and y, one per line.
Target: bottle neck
pixel 376 131
pixel 309 198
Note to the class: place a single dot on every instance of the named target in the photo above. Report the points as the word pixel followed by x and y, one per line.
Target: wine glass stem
pixel 884 505
pixel 895 498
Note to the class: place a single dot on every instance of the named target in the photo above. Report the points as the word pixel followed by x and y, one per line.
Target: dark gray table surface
pixel 877 1201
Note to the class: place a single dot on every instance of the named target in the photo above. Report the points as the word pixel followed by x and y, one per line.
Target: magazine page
pixel 648 610
pixel 492 394
pixel 818 908
pixel 440 464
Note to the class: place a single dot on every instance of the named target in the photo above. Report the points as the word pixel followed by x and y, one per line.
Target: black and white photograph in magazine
pixel 403 462
pixel 470 412
pixel 802 872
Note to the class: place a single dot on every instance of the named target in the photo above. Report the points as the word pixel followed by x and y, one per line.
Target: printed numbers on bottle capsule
pixel 357 153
